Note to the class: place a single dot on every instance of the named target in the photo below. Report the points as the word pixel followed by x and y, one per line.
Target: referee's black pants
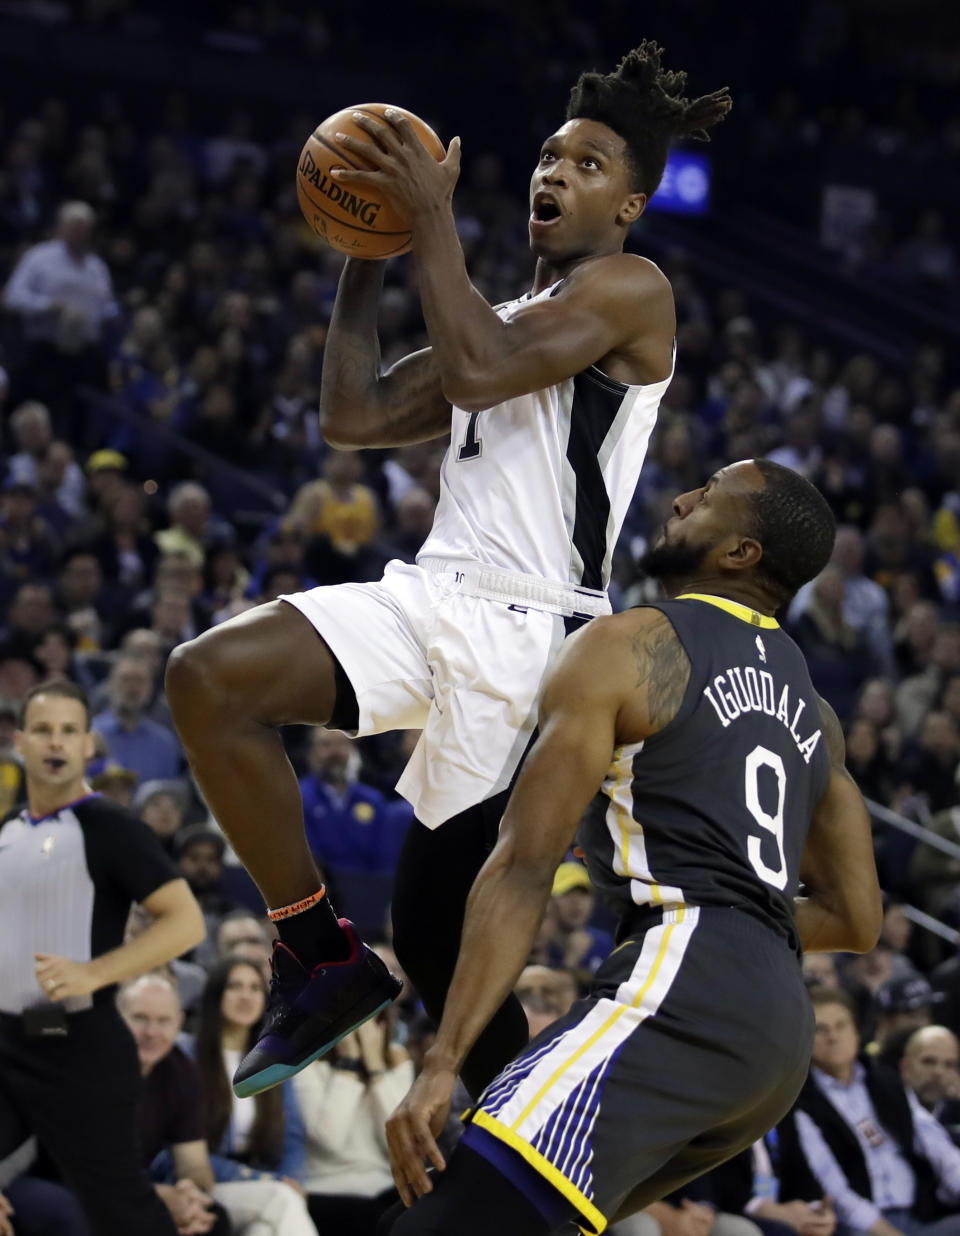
pixel 80 1095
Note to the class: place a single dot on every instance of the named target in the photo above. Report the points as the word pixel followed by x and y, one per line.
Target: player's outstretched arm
pixel 843 910
pixel 360 406
pixel 618 680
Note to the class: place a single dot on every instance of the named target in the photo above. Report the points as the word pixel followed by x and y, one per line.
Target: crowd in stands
pixel 164 315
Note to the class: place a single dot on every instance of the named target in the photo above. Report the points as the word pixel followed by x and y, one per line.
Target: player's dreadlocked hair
pixel 795 527
pixel 645 104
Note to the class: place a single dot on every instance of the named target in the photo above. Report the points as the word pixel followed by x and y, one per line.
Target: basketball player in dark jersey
pixel 533 500
pixel 723 788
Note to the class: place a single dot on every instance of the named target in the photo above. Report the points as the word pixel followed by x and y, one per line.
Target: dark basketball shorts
pixel 694 1041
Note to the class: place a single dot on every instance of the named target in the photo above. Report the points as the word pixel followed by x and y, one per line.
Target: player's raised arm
pixel 613 305
pixel 842 910
pixel 620 679
pixel 361 406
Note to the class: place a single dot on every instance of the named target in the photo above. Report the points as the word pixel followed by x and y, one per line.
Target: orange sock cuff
pixel 296 907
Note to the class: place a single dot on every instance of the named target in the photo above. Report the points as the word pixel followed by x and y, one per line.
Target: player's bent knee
pixel 190 680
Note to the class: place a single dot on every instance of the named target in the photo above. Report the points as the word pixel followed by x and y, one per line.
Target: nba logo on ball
pixel 359 223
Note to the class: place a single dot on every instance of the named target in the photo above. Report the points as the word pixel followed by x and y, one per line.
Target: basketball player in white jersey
pixel 549 402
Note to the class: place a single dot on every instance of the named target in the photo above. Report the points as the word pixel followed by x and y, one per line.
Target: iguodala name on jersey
pixel 744 689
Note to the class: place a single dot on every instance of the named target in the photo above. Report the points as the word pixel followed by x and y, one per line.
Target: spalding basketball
pixel 358 221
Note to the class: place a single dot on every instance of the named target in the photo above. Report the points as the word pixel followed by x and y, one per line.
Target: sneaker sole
pixel 274 1074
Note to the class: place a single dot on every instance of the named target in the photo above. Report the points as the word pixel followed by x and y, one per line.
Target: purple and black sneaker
pixel 309 1011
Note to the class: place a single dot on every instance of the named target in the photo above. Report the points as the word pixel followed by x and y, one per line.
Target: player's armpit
pixel 843 910
pixel 605 306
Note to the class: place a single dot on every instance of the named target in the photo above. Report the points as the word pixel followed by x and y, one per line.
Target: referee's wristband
pixel 348 1064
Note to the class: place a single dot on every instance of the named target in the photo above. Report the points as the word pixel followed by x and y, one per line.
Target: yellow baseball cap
pixel 100 460
pixel 570 875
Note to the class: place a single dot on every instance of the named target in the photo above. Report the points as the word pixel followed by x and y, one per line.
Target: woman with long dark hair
pixel 252 1141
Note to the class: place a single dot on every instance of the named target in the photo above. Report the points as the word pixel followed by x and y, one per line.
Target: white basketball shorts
pixel 456 650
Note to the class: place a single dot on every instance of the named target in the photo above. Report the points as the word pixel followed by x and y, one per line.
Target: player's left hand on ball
pixel 403 168
pixel 62 979
pixel 412 1132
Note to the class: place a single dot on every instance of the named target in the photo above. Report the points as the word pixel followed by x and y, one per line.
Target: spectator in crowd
pixel 346 1099
pixel 240 934
pixel 122 541
pixel 349 825
pixel 11 766
pixel 413 519
pixel 929 763
pixel 257 1204
pixel 133 740
pixel 337 506
pixel 62 292
pixel 837 654
pixel 40 1207
pixel 917 694
pixel 545 994
pixel 63 954
pixel 28 545
pixel 170 1117
pixel 903 1004
pixel 570 940
pixel 199 850
pixel 860 1137
pixel 867 762
pixel 746 1185
pixel 61 487
pixel 930 1067
pixel 115 783
pixel 81 598
pixel 161 805
pixel 934 876
pixel 865 604
pixel 32 432
pixel 258 1136
pixel 192 523
pixel 682 1216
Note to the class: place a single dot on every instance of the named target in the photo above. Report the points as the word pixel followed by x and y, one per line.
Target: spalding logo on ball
pixel 360 223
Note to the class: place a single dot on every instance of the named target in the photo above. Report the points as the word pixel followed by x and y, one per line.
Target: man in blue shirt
pixel 133 740
pixel 888 1166
pixel 349 825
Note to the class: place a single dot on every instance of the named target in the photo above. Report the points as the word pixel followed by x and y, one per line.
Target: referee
pixel 71 864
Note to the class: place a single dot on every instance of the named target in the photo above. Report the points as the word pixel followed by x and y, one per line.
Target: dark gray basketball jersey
pixel 715 808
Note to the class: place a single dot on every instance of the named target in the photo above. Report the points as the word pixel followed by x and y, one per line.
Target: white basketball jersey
pixel 541 483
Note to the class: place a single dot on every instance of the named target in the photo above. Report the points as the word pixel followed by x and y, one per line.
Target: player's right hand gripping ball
pixel 359 223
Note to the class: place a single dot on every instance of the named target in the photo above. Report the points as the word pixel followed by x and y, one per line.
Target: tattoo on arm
pixel 663 670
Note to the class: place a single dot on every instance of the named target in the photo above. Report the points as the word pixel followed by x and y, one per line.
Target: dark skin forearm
pixel 504 910
pixel 360 406
pixel 466 333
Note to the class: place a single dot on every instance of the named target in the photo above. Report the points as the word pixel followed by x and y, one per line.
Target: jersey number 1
pixel 759 758
pixel 471 446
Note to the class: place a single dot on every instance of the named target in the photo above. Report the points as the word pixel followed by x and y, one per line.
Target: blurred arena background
pixel 161 460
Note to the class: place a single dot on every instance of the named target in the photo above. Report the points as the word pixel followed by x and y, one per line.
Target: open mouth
pixel 54 763
pixel 545 209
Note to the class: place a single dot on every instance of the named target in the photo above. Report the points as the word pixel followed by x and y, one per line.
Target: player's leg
pixel 473 1198
pixel 229 690
pixel 435 872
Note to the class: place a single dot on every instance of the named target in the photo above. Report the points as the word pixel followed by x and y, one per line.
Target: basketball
pixel 358 222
